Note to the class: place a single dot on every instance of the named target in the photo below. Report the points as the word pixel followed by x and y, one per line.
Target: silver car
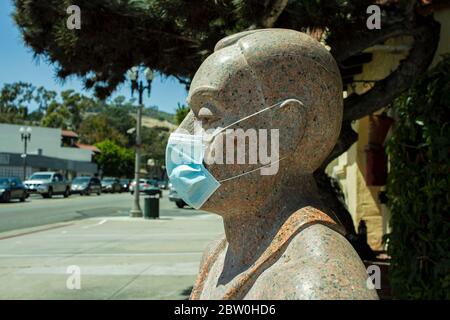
pixel 47 184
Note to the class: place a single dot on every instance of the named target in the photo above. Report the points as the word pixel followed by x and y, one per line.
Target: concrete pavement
pixel 118 257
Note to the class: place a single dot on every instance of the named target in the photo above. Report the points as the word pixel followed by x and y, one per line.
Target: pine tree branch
pixel 426 39
pixel 274 10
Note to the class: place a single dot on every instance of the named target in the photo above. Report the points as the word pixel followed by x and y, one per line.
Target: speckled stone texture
pixel 280 241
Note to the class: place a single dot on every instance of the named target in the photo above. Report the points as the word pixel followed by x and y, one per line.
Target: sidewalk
pixel 118 257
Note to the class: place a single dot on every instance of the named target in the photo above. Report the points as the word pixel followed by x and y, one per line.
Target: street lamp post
pixel 138 85
pixel 25 135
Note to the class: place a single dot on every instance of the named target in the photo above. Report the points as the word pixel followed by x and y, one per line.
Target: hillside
pixel 151 122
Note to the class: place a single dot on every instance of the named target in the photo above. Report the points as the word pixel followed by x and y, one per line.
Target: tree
pixel 154 142
pixel 15 99
pixel 120 119
pixel 66 113
pixel 43 98
pixel 96 128
pixel 175 36
pixel 181 113
pixel 76 104
pixel 114 160
pixel 56 116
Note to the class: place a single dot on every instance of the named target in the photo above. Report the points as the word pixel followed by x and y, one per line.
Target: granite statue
pixel 280 241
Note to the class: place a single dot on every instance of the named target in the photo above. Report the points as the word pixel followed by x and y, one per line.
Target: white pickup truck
pixel 48 184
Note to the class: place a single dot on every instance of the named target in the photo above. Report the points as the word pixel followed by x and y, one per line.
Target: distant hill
pixel 151 117
pixel 151 122
pixel 153 112
pixel 154 118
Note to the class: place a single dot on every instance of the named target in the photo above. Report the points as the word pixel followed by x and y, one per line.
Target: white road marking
pixel 96 224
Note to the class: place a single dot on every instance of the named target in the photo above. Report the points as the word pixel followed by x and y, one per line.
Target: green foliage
pixel 181 113
pixel 154 144
pixel 119 119
pixel 67 114
pixel 17 98
pixel 56 116
pixel 171 36
pixel 97 127
pixel 418 189
pixel 95 121
pixel 114 160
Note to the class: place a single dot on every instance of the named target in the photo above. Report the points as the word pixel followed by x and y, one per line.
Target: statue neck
pixel 250 230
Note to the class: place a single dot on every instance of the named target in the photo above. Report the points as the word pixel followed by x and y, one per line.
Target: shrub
pixel 418 189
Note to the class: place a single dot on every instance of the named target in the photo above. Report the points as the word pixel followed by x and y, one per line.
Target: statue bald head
pixel 252 70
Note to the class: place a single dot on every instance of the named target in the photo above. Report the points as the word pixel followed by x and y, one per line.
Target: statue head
pixel 291 86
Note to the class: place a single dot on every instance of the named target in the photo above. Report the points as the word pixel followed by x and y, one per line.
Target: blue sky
pixel 17 64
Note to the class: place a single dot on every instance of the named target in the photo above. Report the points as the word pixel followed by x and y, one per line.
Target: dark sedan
pixel 12 188
pixel 125 183
pixel 111 185
pixel 86 186
pixel 162 184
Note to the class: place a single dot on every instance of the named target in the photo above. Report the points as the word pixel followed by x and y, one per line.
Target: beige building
pixel 349 169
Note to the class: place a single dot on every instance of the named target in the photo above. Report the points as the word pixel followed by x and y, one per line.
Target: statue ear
pixel 291 120
pixel 291 103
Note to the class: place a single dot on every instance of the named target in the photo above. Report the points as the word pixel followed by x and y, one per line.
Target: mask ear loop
pixel 209 138
pixel 251 171
pixel 281 103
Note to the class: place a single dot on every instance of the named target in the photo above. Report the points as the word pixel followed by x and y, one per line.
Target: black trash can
pixel 151 207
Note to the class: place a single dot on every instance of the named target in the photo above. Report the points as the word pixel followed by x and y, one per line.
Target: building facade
pixel 364 200
pixel 46 151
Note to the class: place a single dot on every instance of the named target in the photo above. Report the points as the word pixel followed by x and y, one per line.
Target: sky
pixel 18 64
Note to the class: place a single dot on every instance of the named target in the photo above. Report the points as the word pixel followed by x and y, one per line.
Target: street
pixel 43 241
pixel 37 211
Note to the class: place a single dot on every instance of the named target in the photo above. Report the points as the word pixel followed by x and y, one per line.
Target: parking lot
pixel 118 257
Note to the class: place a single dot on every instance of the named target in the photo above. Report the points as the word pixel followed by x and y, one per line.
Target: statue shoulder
pixel 318 263
pixel 210 250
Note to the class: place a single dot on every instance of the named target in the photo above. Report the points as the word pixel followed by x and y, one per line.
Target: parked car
pixel 48 184
pixel 162 184
pixel 125 183
pixel 111 185
pixel 86 186
pixel 147 186
pixel 142 184
pixel 151 188
pixel 12 188
pixel 174 197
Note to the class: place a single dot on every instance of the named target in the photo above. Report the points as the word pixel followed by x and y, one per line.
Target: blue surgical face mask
pixel 185 169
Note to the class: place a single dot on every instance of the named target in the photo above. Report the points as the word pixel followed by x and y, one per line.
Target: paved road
pixel 37 211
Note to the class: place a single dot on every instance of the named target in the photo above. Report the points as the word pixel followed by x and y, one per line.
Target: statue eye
pixel 206 114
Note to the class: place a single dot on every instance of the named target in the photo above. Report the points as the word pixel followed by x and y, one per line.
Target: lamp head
pixel 133 74
pixel 149 74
